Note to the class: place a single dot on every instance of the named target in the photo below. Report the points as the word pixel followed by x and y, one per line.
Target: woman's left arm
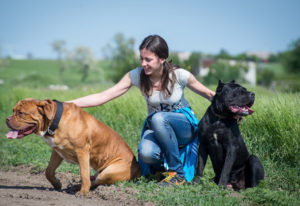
pixel 199 88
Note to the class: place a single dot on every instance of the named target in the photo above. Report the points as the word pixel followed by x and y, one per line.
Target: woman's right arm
pixel 100 98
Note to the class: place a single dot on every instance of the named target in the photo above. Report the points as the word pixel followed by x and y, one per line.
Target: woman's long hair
pixel 158 46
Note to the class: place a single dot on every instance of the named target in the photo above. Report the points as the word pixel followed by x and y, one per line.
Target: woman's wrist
pixel 212 94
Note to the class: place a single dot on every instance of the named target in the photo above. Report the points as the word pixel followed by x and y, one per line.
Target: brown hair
pixel 158 46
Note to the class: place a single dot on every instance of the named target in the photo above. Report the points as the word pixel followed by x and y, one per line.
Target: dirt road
pixel 21 186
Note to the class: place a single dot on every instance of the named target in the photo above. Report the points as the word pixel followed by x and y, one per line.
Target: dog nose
pixel 8 119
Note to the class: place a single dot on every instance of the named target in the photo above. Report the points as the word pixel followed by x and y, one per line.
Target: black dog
pixel 220 138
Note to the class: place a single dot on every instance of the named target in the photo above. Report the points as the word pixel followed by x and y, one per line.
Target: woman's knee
pixel 158 119
pixel 149 152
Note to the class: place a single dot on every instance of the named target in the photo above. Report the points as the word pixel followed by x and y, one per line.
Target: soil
pixel 22 186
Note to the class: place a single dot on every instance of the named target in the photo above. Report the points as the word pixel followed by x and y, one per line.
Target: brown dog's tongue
pixel 13 134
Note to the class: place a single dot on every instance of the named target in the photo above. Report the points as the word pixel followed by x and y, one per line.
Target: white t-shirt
pixel 157 101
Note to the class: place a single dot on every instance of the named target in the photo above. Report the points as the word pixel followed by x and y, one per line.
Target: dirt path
pixel 21 186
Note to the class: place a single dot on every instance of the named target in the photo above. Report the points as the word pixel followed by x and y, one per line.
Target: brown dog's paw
pixel 57 185
pixel 82 194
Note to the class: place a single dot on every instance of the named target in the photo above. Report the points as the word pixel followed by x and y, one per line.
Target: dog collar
pixel 216 114
pixel 228 120
pixel 55 122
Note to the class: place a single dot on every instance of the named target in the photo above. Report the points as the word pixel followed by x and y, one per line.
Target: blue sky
pixel 192 25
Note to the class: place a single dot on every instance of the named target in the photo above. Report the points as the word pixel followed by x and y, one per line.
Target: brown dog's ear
pixel 46 107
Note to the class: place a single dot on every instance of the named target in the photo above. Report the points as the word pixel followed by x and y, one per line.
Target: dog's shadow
pixel 26 188
pixel 70 189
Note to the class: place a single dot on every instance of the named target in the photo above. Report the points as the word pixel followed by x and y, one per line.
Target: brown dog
pixel 79 138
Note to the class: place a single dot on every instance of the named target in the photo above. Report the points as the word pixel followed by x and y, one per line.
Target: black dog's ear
pixel 233 81
pixel 220 86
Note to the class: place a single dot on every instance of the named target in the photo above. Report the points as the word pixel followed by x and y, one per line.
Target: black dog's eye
pixel 241 90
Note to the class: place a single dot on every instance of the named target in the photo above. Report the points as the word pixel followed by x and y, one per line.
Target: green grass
pixel 272 133
pixel 42 73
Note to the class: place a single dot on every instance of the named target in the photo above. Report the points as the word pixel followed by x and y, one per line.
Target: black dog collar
pixel 55 122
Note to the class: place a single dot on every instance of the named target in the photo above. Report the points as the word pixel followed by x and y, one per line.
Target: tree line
pixel 120 57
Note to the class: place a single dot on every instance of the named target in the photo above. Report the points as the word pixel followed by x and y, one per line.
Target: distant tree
pixel 121 57
pixel 59 46
pixel 29 55
pixel 265 77
pixel 223 54
pixel 241 57
pixel 246 57
pixel 221 70
pixel 84 60
pixel 192 64
pixel 253 58
pixel 273 58
pixel 173 57
pixel 291 58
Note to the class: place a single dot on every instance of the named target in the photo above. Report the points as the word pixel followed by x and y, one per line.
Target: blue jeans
pixel 168 131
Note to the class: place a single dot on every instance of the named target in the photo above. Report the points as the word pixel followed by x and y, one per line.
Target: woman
pixel 169 125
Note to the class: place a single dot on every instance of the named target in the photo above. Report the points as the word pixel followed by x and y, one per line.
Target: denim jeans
pixel 168 131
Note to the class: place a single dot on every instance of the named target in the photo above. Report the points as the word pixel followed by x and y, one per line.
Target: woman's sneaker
pixel 172 178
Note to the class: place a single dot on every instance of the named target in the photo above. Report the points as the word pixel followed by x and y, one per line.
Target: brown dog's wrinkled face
pixel 28 117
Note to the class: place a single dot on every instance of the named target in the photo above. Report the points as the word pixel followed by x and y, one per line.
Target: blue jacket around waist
pixel 188 153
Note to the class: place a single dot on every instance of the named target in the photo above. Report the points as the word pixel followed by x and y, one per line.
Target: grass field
pixel 272 133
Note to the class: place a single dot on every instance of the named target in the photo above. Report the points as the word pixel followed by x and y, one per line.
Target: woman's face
pixel 151 63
